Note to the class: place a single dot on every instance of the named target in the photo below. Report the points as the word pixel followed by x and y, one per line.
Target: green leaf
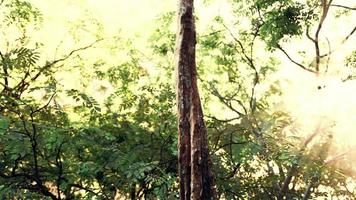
pixel 4 125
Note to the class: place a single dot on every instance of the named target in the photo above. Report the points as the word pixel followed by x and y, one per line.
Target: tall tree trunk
pixel 196 179
pixel 133 192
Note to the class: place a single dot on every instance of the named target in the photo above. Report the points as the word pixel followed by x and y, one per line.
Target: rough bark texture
pixel 196 180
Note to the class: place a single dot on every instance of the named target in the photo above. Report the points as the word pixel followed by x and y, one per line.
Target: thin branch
pixel 234 170
pixel 325 10
pixel 250 62
pixel 223 120
pixel 232 143
pixel 308 34
pixel 329 57
pixel 35 150
pixel 45 106
pixel 63 59
pixel 36 188
pixel 23 84
pixel 212 33
pixel 293 61
pixel 84 188
pixel 342 6
pixel 241 104
pixel 349 35
pixel 225 102
pixel 244 53
pixel 341 43
pixel 252 98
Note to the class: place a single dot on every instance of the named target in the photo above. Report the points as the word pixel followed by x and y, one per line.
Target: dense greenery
pixel 126 146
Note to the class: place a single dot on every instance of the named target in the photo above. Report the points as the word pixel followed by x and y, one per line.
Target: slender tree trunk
pixel 133 192
pixel 196 179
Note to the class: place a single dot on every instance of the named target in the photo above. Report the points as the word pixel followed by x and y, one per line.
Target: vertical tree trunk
pixel 133 192
pixel 196 180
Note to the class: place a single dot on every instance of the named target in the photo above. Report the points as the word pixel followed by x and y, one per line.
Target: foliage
pixel 126 146
pixel 115 149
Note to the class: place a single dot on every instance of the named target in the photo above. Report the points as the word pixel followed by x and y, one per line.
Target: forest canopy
pixel 88 106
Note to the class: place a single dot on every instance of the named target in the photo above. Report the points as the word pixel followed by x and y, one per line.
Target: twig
pixel 46 105
pixel 23 84
pixel 293 61
pixel 328 61
pixel 325 9
pixel 342 42
pixel 84 188
pixel 224 101
pixel 223 120
pixel 232 143
pixel 244 53
pixel 342 6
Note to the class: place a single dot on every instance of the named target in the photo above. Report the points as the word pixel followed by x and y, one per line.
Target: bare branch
pixel 232 143
pixel 293 61
pixel 212 33
pixel 81 187
pixel 329 57
pixel 308 34
pixel 24 83
pixel 325 10
pixel 225 102
pixel 45 106
pixel 223 120
pixel 244 53
pixel 62 59
pixel 341 43
pixel 233 172
pixel 342 6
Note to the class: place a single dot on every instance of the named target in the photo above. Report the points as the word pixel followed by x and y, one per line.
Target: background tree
pixel 111 133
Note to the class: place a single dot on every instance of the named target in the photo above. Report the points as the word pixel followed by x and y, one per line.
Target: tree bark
pixel 196 179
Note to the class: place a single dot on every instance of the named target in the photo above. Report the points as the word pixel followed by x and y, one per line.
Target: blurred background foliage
pixel 98 120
